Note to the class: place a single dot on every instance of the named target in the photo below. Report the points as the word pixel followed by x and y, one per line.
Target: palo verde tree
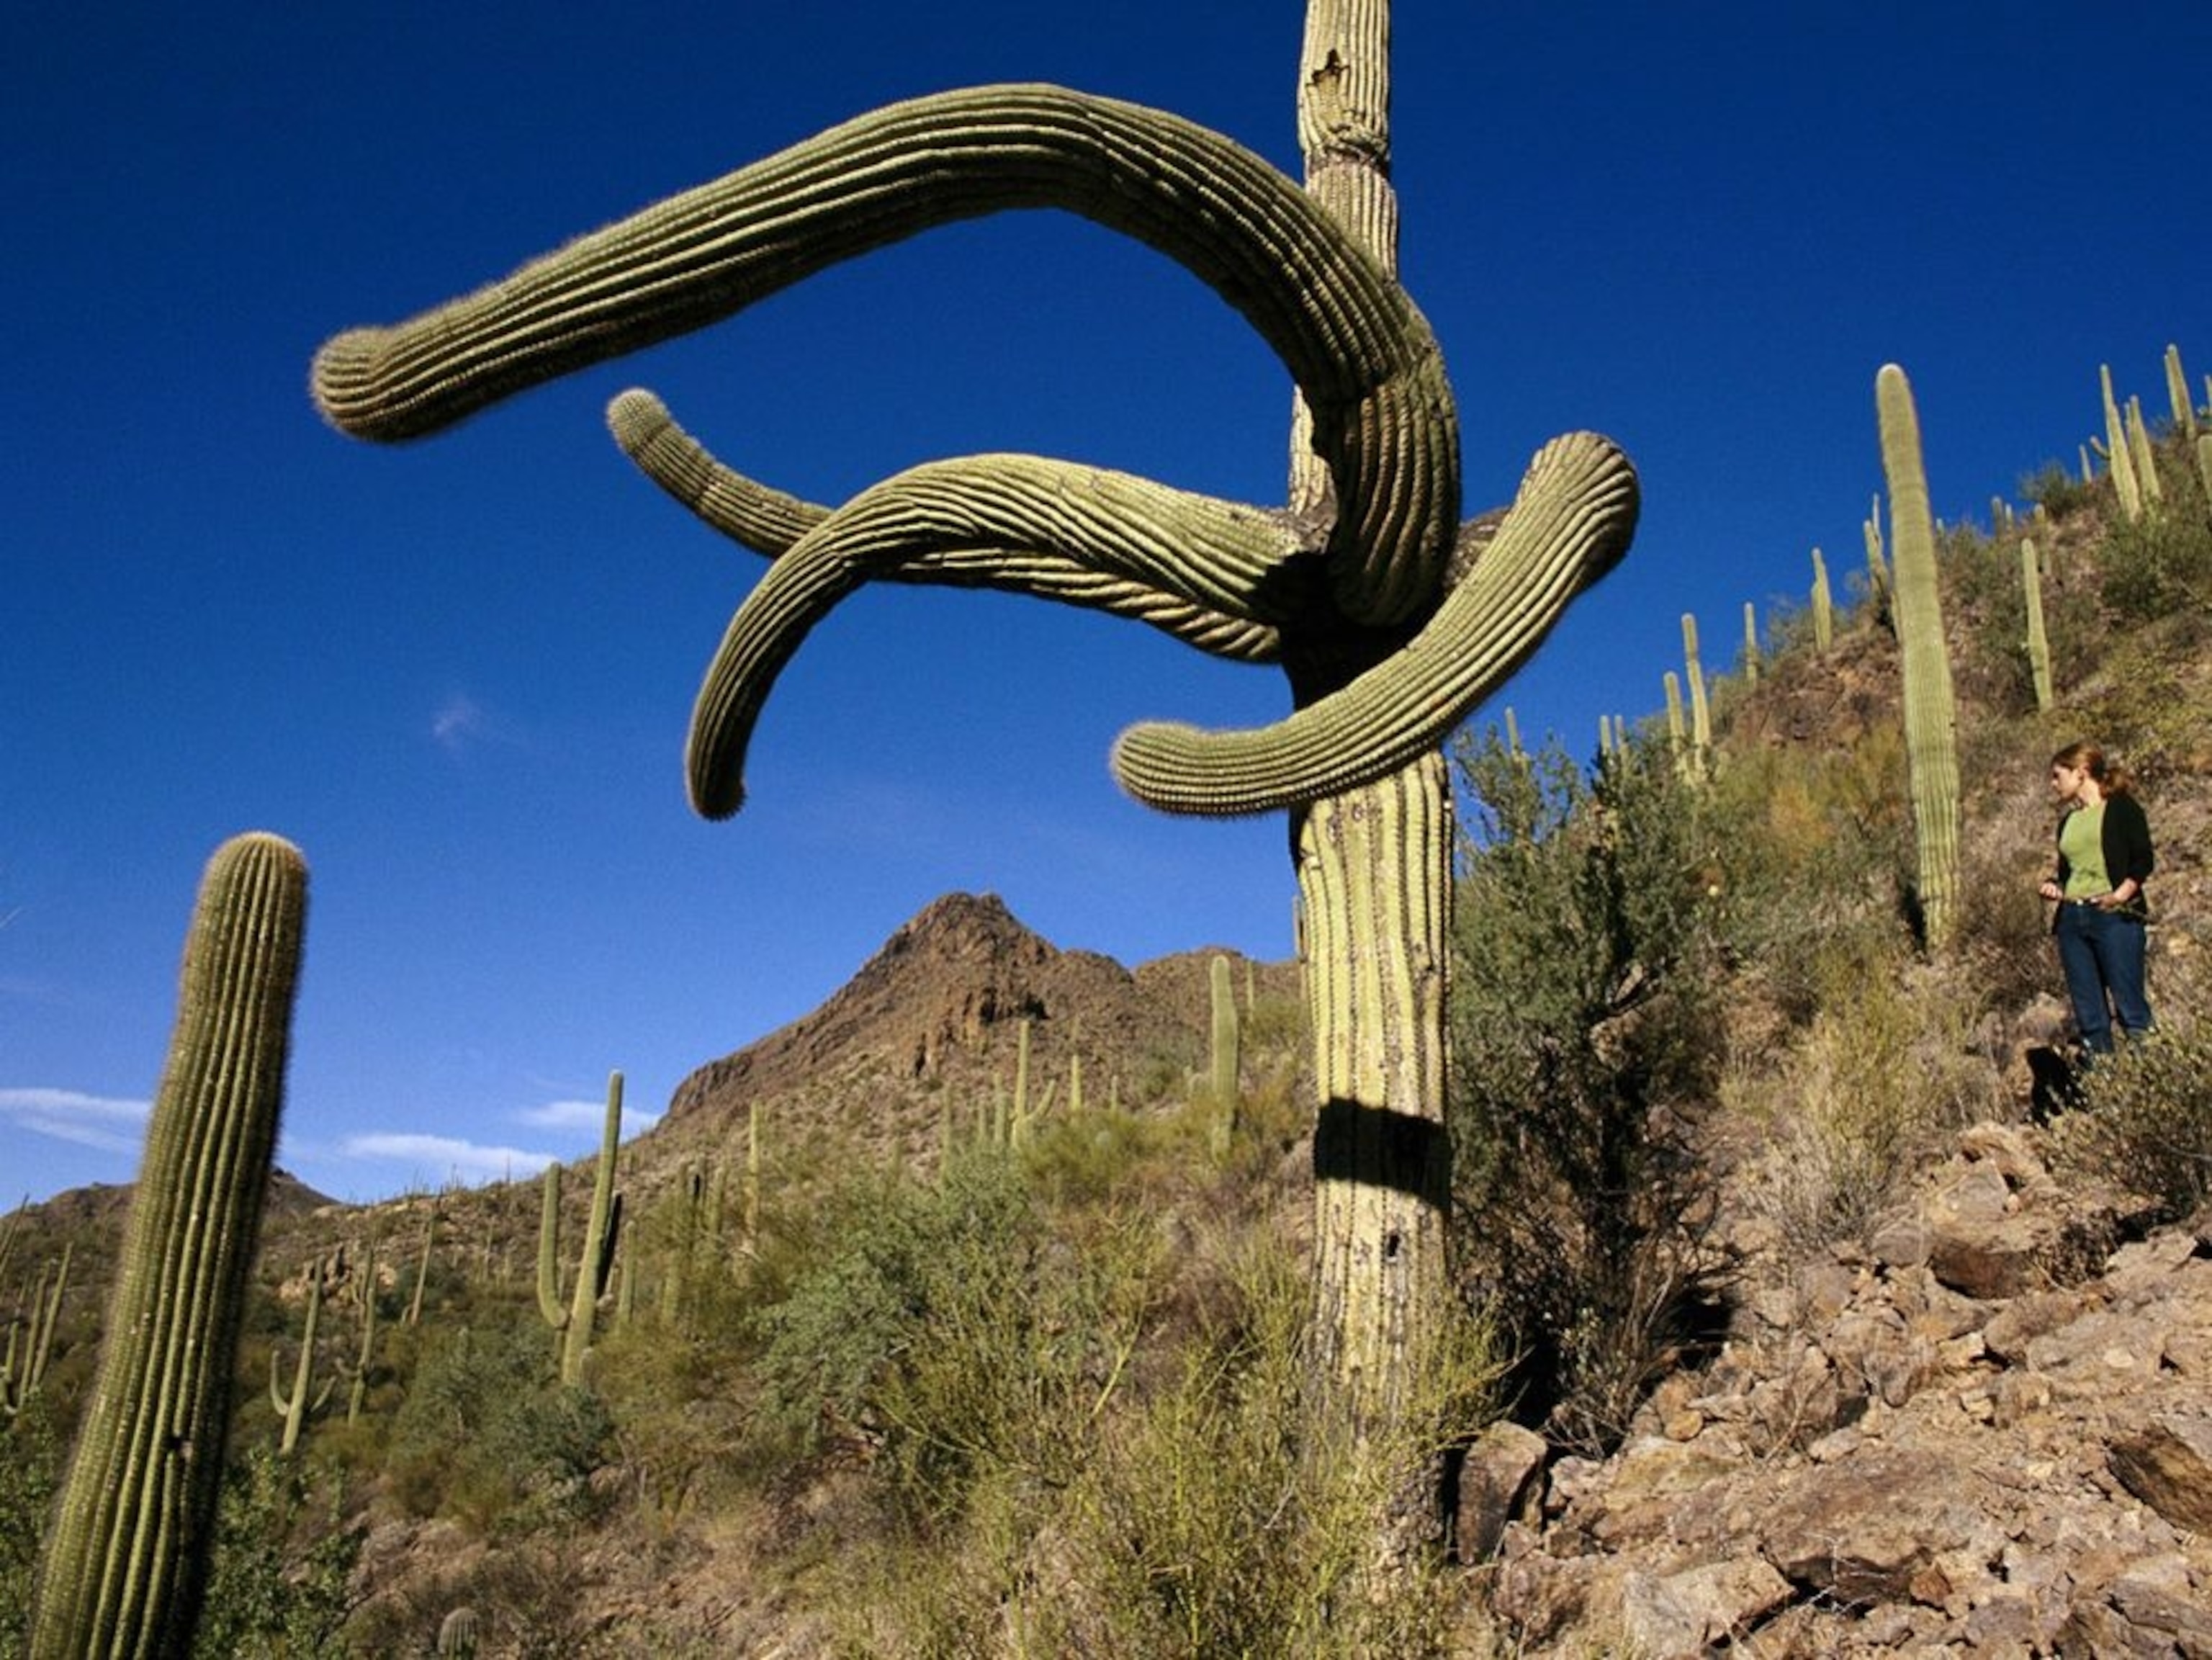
pixel 1390 618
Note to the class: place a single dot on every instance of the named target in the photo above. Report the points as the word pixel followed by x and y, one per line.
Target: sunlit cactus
pixel 2038 643
pixel 2177 393
pixel 1931 736
pixel 2118 455
pixel 1391 617
pixel 574 1322
pixel 128 1551
pixel 1824 605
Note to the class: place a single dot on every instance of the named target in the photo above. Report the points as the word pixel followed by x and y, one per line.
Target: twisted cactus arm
pixel 1569 523
pixel 1087 525
pixel 771 523
pixel 1384 422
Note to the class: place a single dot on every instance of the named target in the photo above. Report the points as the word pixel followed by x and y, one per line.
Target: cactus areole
pixel 1391 619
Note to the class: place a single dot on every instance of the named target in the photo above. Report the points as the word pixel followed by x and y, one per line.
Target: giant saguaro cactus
pixel 1390 618
pixel 127 1555
pixel 1931 734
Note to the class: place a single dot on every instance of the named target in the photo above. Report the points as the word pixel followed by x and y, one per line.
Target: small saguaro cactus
pixel 1750 643
pixel 294 1408
pixel 19 1383
pixel 2177 393
pixel 1878 585
pixel 1824 605
pixel 595 1259
pixel 2118 456
pixel 2039 643
pixel 1227 1053
pixel 1678 734
pixel 2143 455
pixel 2204 463
pixel 1931 736
pixel 365 1358
pixel 1701 714
pixel 127 1554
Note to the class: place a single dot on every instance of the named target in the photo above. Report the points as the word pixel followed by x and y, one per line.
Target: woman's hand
pixel 2049 889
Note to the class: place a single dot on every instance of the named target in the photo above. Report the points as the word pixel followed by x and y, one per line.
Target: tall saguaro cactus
pixel 127 1557
pixel 595 1256
pixel 1931 734
pixel 1390 618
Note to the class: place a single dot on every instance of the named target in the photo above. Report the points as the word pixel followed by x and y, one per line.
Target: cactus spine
pixel 127 1553
pixel 1824 605
pixel 1931 739
pixel 595 1260
pixel 2039 643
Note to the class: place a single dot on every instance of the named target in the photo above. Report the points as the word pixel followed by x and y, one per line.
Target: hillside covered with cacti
pixel 967 1314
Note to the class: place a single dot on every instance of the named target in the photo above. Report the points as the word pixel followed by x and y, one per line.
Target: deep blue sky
pixel 458 674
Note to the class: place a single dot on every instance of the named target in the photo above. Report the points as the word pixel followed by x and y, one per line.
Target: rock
pixel 1494 1481
pixel 1683 1613
pixel 1865 1529
pixel 2167 1463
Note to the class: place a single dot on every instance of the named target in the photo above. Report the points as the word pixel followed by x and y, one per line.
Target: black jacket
pixel 2126 840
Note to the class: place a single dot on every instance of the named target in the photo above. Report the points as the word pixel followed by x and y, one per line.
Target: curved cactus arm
pixel 749 513
pixel 1058 527
pixel 1383 420
pixel 770 523
pixel 1569 523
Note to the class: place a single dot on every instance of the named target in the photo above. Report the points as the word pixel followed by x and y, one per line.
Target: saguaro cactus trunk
pixel 127 1556
pixel 1931 723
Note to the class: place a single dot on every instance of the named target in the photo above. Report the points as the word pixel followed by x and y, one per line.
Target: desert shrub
pixel 1811 845
pixel 952 1333
pixel 1890 1065
pixel 2158 566
pixel 279 1585
pixel 1198 1523
pixel 2058 491
pixel 31 1451
pixel 488 1434
pixel 2145 1122
pixel 1586 1035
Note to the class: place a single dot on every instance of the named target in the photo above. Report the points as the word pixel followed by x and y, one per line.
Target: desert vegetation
pixel 1033 1384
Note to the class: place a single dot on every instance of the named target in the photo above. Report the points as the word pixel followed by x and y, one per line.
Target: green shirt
pixel 2081 839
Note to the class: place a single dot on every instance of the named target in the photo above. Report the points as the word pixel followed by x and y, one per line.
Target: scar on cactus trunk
pixel 127 1557
pixel 1392 618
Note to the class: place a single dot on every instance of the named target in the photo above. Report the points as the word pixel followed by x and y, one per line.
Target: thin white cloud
pixel 582 1115
pixel 447 1155
pixel 461 724
pixel 108 1122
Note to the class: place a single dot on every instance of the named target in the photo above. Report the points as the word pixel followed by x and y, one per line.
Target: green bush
pixel 2158 566
pixel 488 1434
pixel 32 1444
pixel 1586 1034
pixel 279 1589
pixel 2145 1122
pixel 2056 490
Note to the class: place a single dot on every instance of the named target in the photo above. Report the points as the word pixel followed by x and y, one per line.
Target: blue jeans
pixel 2102 954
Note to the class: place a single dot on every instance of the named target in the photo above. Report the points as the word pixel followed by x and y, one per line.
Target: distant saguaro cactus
pixel 1824 605
pixel 1227 1053
pixel 2039 642
pixel 127 1558
pixel 2118 454
pixel 1931 736
pixel 2177 393
pixel 595 1258
pixel 1391 617
pixel 294 1407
